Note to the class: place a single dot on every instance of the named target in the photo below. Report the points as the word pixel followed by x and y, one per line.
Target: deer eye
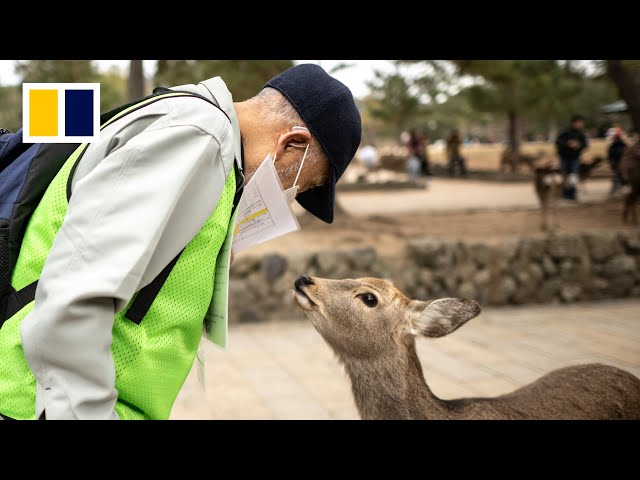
pixel 368 299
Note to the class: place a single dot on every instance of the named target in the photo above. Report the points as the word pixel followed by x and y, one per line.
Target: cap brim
pixel 320 201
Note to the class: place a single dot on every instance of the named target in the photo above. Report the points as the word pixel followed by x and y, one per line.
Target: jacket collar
pixel 216 89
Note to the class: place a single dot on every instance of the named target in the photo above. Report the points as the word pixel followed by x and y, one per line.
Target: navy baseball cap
pixel 329 111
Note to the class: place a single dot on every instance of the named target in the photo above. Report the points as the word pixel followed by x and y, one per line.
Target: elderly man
pixel 132 260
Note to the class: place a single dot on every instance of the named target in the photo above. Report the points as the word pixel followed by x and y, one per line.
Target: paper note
pixel 263 211
pixel 216 320
pixel 201 364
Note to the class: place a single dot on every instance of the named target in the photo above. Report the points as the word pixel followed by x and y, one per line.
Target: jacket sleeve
pixel 584 142
pixel 561 143
pixel 117 215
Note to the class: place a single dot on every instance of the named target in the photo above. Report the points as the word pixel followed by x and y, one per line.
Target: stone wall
pixel 551 269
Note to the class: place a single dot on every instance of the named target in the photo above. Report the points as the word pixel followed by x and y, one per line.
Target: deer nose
pixel 302 280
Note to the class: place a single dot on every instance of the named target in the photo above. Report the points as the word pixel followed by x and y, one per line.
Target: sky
pixel 354 77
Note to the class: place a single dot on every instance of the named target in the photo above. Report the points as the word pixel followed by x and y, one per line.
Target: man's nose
pixel 303 280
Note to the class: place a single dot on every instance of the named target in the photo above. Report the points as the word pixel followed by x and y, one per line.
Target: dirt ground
pixel 390 234
pixel 474 211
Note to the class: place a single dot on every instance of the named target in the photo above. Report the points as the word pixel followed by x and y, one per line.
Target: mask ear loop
pixel 295 182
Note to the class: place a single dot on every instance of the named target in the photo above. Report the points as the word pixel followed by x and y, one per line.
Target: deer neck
pixel 393 387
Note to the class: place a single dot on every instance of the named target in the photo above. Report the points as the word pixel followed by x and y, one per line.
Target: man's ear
pixel 294 138
pixel 441 317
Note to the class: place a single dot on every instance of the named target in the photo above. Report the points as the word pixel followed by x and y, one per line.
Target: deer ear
pixel 443 316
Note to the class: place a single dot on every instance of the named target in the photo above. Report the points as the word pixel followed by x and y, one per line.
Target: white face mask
pixel 264 211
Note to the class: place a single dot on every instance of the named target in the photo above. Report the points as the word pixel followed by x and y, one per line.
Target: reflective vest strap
pixel 148 294
pixel 18 299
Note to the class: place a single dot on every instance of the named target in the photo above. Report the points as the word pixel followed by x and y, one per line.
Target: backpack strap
pixel 17 299
pixel 148 294
pixel 5 272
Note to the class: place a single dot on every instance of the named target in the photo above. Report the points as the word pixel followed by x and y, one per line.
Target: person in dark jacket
pixel 570 144
pixel 417 148
pixel 614 155
pixel 453 154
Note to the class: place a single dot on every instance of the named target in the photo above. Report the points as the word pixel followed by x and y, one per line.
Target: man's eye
pixel 368 299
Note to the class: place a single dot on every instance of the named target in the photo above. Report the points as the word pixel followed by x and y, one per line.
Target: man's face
pixel 313 175
pixel 578 124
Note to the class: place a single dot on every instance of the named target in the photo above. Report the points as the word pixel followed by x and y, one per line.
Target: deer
pixel 548 182
pixel 371 326
pixel 512 160
pixel 630 172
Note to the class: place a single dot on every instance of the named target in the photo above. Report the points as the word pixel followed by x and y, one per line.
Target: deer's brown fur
pixel 376 345
pixel 630 171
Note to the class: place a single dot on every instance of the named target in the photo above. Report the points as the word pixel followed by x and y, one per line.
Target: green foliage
pixel 113 86
pixel 245 78
pixel 392 100
pixel 458 112
pixel 540 91
pixel 113 89
pixel 11 111
pixel 535 96
pixel 631 64
pixel 176 72
pixel 57 71
pixel 513 85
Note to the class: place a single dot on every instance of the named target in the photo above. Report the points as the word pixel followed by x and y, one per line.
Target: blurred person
pixel 454 158
pixel 152 204
pixel 417 148
pixel 426 164
pixel 369 157
pixel 413 168
pixel 615 151
pixel 570 144
pixel 404 138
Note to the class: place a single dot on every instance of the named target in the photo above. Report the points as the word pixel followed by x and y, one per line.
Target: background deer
pixel 371 326
pixel 630 172
pixel 512 161
pixel 548 182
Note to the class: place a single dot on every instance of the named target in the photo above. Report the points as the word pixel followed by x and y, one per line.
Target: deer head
pixel 370 317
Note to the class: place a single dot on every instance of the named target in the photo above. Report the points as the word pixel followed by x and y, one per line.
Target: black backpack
pixel 26 170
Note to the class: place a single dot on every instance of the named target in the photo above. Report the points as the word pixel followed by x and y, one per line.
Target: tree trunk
pixel 135 88
pixel 553 131
pixel 513 133
pixel 627 79
pixel 162 66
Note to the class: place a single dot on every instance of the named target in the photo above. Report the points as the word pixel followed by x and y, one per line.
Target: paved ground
pixel 286 371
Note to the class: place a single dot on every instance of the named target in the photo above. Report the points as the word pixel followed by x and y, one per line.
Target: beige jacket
pixel 139 195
